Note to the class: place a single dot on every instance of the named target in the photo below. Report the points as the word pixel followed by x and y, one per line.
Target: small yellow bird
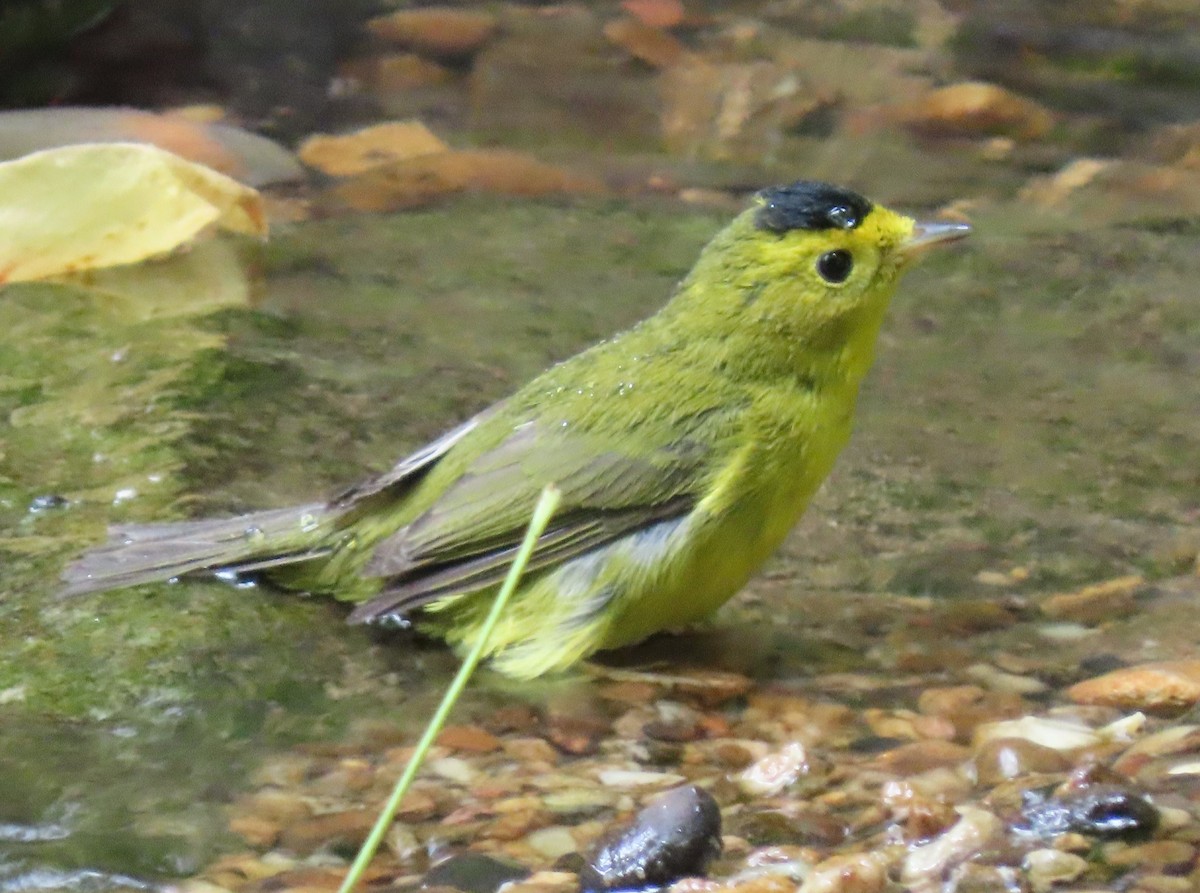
pixel 685 448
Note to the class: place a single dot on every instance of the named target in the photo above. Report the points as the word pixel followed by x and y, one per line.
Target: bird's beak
pixel 926 235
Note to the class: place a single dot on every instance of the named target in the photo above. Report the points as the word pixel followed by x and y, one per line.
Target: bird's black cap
pixel 808 204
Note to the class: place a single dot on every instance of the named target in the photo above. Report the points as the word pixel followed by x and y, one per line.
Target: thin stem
pixel 547 504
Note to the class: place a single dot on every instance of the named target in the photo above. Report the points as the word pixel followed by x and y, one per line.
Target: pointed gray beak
pixel 926 235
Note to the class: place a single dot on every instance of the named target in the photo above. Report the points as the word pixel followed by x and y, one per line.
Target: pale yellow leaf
pixel 102 205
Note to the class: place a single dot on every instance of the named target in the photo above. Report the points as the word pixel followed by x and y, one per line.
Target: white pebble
pixel 1047 867
pixel 775 771
pixel 969 835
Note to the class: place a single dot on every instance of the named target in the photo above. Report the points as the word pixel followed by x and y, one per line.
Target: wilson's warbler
pixel 685 448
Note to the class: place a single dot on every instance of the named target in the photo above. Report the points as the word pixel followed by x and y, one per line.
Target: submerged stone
pixel 1107 811
pixel 676 835
pixel 474 873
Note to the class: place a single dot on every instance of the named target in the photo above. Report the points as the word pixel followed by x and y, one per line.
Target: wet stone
pixel 677 834
pixel 474 873
pixel 438 32
pixel 776 771
pixel 1155 686
pixel 1003 759
pixel 1046 868
pixel 1105 811
pixel 769 827
pixel 1167 855
pixel 470 739
pixel 334 830
pixel 850 873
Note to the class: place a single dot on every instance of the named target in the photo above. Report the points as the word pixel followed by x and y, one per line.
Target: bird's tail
pixel 144 553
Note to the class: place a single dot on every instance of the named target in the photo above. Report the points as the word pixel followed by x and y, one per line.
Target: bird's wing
pixel 411 467
pixel 467 539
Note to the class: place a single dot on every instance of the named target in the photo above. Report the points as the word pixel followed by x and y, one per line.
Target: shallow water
pixel 1032 425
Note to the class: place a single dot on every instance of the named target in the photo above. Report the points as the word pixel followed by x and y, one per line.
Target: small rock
pixel 636 778
pixel 1155 686
pixel 1103 810
pixel 850 873
pixel 648 44
pixel 1056 734
pixel 976 109
pixel 776 771
pixel 969 706
pixel 453 769
pixel 438 32
pixel 346 829
pixel 1163 855
pixel 578 802
pixel 1003 759
pixel 921 756
pixel 530 750
pixel 677 834
pixel 397 72
pixel 469 739
pixel 258 832
pixel 974 831
pixel 421 181
pixel 1045 868
pixel 655 13
pixel 474 873
pixel 733 110
pixel 1095 604
pixel 995 679
pixel 282 806
pixel 353 153
pixel 552 842
pixel 772 827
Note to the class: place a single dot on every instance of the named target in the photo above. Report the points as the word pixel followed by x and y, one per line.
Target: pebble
pixel 347 828
pixel 635 778
pixel 474 873
pixel 442 33
pixel 851 873
pixel 397 72
pixel 975 830
pixel 969 706
pixel 655 13
pixel 362 150
pixel 430 178
pixel 995 679
pixel 776 771
pixel 976 109
pixel 1103 810
pixel 1095 604
pixel 1163 855
pixel 468 739
pixel 677 834
pixel 1045 868
pixel 920 756
pixel 648 44
pixel 1166 685
pixel 1003 759
pixel 530 750
pixel 552 842
pixel 1056 734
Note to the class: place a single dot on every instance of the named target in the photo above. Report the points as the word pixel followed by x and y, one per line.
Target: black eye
pixel 835 266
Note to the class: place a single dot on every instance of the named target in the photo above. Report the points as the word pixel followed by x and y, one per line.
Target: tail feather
pixel 144 553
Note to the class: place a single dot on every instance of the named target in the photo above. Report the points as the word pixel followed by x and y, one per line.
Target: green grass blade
pixel 547 505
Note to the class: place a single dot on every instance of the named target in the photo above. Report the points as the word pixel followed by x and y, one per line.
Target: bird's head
pixel 813 259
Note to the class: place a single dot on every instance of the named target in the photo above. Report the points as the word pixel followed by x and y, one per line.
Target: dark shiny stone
pixel 1108 811
pixel 676 835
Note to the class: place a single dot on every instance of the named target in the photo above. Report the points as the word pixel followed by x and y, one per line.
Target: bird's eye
pixel 835 266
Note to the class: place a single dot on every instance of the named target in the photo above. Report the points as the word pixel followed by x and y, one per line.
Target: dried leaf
pixel 102 205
